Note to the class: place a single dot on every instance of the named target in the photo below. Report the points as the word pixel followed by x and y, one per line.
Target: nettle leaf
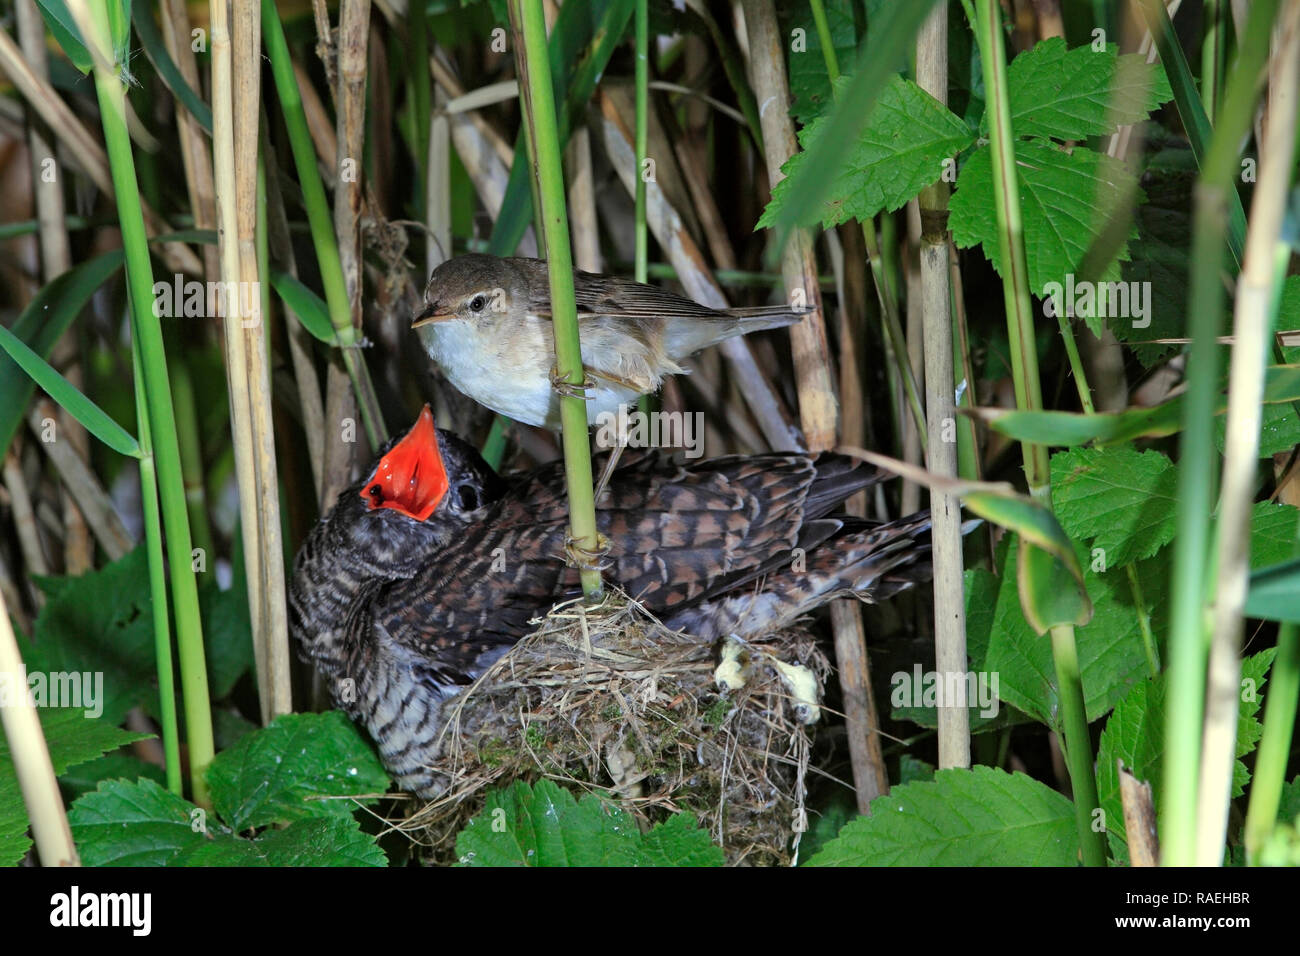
pixel 134 824
pixel 977 817
pixel 102 622
pixel 271 776
pixel 1122 499
pixel 1288 808
pixel 1273 531
pixel 86 776
pixel 543 825
pixel 72 738
pixel 1135 734
pixel 1159 258
pixel 900 151
pixel 331 841
pixel 1073 94
pixel 227 633
pixel 1065 198
pixel 1111 652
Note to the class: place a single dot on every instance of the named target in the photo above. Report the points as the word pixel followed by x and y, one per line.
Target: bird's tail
pixel 688 335
pixel 866 560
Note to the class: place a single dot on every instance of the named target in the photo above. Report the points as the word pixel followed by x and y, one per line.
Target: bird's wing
pixel 615 297
pixel 678 534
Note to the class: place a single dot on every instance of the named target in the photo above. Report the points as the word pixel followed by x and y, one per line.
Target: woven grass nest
pixel 606 699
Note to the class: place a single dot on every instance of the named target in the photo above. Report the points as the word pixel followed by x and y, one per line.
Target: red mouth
pixel 411 478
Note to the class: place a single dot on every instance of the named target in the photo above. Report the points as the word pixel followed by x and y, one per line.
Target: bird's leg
pixel 609 467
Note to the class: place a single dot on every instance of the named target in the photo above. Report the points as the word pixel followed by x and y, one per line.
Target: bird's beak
pixel 411 478
pixel 433 312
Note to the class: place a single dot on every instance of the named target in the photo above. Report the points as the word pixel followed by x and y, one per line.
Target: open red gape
pixel 411 477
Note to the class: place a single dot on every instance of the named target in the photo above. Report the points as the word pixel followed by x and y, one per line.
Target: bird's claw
pixel 564 387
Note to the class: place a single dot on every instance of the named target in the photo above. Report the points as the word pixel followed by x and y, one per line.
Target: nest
pixel 607 699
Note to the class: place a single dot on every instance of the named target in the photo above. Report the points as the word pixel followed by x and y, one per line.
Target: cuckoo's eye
pixel 478 303
pixel 468 497
pixel 376 492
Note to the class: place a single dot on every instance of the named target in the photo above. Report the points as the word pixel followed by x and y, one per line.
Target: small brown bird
pixel 430 570
pixel 487 322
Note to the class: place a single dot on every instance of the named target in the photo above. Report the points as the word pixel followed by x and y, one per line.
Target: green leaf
pixel 59 19
pixel 1111 653
pixel 87 776
pixel 72 738
pixel 1120 498
pixel 332 841
pixel 102 622
pixel 810 87
pixel 1073 94
pixel 71 398
pixel 1273 532
pixel 544 825
pixel 1135 735
pixel 309 308
pixel 899 152
pixel 134 824
pixel 1159 257
pixel 811 183
pixel 1275 593
pixel 1065 199
pixel 41 324
pixel 1281 384
pixel 227 632
pixel 1288 809
pixel 977 817
pixel 272 775
pixel 156 49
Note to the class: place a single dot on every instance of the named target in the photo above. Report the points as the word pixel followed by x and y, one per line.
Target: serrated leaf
pixel 272 775
pixel 977 817
pixel 133 824
pixel 1065 199
pixel 1111 653
pixel 900 151
pixel 543 825
pixel 102 622
pixel 1073 94
pixel 1274 528
pixel 86 776
pixel 1135 735
pixel 71 738
pixel 1120 498
pixel 332 841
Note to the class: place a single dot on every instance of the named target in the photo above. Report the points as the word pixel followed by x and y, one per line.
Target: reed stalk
pixel 534 69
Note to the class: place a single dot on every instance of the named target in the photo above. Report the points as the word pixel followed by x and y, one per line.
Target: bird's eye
pixel 468 497
pixel 477 303
pixel 376 492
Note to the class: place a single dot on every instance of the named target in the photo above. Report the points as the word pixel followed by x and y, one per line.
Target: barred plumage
pixel 399 615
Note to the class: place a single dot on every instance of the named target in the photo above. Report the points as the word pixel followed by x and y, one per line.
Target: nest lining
pixel 609 700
